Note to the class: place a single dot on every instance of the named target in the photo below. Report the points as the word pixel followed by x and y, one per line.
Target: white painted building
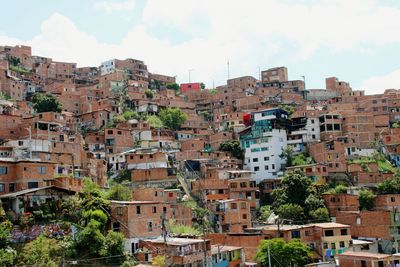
pixel 107 67
pixel 263 143
pixel 313 132
pixel 263 158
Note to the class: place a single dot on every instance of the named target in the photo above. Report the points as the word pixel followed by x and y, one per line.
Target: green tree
pixel 92 199
pixel 320 215
pixel 122 177
pixel 301 159
pixel 173 86
pixel 149 94
pixel 155 122
pixel 90 239
pixel 291 211
pixel 265 212
pixel 7 254
pixel 130 114
pixel 366 199
pixel 45 103
pixel 294 188
pixel 42 251
pixel 120 192
pixel 391 186
pixel 7 257
pixel 113 244
pixel 287 154
pixel 202 86
pixel 173 118
pixel 297 198
pixel 232 146
pixel 314 202
pixel 292 253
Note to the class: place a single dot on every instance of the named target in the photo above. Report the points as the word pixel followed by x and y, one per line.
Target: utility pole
pixel 219 256
pixel 30 141
pixel 269 257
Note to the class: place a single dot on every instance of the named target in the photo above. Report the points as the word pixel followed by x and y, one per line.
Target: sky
pixel 357 41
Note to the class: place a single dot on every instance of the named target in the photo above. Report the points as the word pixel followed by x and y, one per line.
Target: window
pixel 116 226
pixel 137 209
pixel 392 199
pixel 41 169
pixel 341 244
pixel 164 209
pixel 255 159
pixel 256 169
pixel 266 167
pixel 154 209
pixel 307 233
pixel 343 231
pixel 273 166
pixel 333 245
pixel 325 245
pixel 244 216
pixel 33 185
pixel 150 226
pixel 296 234
pixel 363 263
pixel 134 247
pixel 1 187
pixel 20 143
pixel 119 211
pixel 243 205
pixel 11 187
pixel 233 206
pixel 328 232
pixel 266 158
pixel 3 170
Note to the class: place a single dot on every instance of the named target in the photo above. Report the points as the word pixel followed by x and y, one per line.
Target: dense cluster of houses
pixel 339 128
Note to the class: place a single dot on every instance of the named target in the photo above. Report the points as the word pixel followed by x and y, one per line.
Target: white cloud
pixel 110 6
pixel 261 33
pixel 377 84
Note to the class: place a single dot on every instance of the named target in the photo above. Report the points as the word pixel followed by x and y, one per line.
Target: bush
pixel 149 94
pixel 366 199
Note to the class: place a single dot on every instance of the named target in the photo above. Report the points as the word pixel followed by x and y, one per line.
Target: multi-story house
pixel 263 141
pixel 139 220
pixel 327 239
pixel 180 252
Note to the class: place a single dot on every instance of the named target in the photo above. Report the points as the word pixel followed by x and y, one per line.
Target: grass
pixel 383 164
pixel 182 229
pixel 19 69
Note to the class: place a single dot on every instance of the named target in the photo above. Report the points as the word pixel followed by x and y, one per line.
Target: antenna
pixel 190 71
pixel 228 69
